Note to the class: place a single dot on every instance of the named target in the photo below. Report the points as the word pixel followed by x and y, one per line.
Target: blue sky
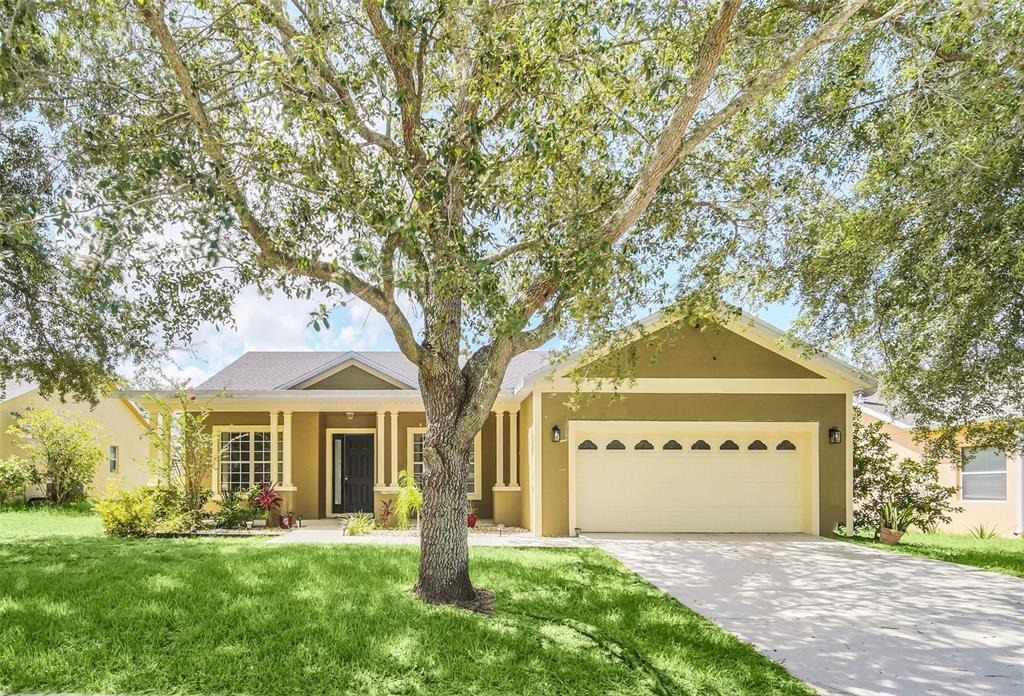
pixel 281 323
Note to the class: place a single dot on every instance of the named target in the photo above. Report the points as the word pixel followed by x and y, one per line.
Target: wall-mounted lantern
pixel 835 435
pixel 556 434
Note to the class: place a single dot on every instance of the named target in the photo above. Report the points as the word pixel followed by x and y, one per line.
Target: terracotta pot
pixel 889 536
pixel 471 520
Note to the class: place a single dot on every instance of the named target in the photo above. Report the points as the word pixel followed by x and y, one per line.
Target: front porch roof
pixel 306 400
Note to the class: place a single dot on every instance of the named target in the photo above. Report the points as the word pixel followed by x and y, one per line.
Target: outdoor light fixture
pixel 556 434
pixel 350 415
pixel 835 435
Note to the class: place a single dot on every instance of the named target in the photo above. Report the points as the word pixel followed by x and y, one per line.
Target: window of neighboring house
pixel 416 435
pixel 112 457
pixel 982 474
pixel 244 458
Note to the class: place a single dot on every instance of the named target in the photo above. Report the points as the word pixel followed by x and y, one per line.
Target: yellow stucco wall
pixel 680 351
pixel 1001 515
pixel 352 378
pixel 825 409
pixel 121 428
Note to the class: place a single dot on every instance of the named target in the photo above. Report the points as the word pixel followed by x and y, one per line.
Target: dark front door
pixel 353 473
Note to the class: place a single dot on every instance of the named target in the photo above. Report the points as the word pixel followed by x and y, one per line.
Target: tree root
pixel 482 603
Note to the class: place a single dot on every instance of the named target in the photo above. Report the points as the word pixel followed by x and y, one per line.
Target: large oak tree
pixel 495 171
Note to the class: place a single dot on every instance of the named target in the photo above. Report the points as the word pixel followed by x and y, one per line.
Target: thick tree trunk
pixel 444 552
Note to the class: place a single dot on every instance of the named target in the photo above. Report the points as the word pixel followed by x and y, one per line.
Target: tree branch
pixel 665 155
pixel 329 75
pixel 397 46
pixel 270 256
pixel 898 26
pixel 674 143
pixel 770 79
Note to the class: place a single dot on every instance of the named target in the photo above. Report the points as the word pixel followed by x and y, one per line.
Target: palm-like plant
pixel 895 517
pixel 267 499
pixel 408 501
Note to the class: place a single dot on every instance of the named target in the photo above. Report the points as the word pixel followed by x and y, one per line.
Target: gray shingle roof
pixel 14 389
pixel 267 370
pixel 888 409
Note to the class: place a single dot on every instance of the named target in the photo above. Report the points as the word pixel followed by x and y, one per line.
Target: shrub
pixel 130 513
pixel 15 474
pixel 360 524
pixel 146 511
pixel 879 476
pixel 63 451
pixel 234 510
pixel 186 441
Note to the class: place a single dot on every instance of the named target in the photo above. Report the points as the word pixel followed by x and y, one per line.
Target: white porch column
pixel 513 448
pixel 378 442
pixel 273 448
pixel 394 449
pixel 499 448
pixel 288 448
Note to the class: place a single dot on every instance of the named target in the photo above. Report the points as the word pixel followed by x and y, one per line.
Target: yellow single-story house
pixel 127 448
pixel 990 483
pixel 722 429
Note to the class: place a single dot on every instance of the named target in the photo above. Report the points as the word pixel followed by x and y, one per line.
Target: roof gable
pixel 682 351
pixel 351 374
pixel 744 325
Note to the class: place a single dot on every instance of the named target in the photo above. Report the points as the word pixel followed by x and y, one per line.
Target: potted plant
pixel 471 517
pixel 894 523
pixel 269 500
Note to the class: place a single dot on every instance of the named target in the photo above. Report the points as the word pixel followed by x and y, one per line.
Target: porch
pixel 333 462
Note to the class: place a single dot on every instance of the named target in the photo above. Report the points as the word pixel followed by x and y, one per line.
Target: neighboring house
pixel 728 430
pixel 126 446
pixel 990 483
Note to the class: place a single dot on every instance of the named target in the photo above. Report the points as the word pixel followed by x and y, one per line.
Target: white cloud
pixel 278 323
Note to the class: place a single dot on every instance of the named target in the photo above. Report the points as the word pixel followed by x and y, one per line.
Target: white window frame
pixel 477 492
pixel 113 459
pixel 252 431
pixel 1004 472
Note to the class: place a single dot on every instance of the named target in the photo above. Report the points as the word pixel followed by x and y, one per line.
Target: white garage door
pixel 692 477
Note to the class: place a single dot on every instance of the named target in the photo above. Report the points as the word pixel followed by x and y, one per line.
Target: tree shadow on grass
pixel 216 616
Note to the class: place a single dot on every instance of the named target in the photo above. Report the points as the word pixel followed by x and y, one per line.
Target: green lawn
pixel 83 613
pixel 1000 555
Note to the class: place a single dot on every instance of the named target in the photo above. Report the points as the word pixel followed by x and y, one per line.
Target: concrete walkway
pixel 329 532
pixel 847 619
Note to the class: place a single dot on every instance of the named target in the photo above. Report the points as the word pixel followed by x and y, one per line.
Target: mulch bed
pixel 220 533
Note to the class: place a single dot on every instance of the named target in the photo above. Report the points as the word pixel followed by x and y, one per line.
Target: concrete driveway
pixel 847 619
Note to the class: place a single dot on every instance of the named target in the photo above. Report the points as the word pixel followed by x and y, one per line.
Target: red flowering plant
pixel 267 499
